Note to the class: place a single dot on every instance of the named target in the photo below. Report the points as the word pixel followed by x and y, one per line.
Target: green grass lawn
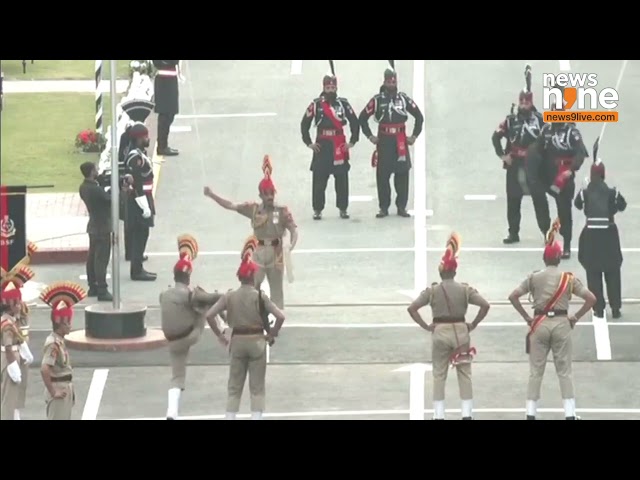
pixel 38 138
pixel 61 69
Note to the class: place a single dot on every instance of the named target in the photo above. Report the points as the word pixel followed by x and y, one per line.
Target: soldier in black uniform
pixel 166 97
pixel 599 249
pixel 330 150
pixel 556 155
pixel 521 129
pixel 140 205
pixel 391 109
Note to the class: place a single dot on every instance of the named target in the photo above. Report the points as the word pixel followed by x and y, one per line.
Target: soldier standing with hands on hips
pixel 182 311
pixel 551 326
pixel 391 109
pixel 521 129
pixel 599 249
pixel 250 334
pixel 449 301
pixel 167 101
pixel 330 114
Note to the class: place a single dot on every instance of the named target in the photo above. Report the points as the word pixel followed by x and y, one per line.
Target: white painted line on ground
pixel 94 397
pixel 84 277
pixel 427 213
pixel 303 251
pixel 480 197
pixel 360 198
pixel 373 413
pixel 227 115
pixel 416 388
pixel 267 290
pixel 601 333
pixel 296 67
pixel 617 88
pixel 565 65
pixel 180 128
pixel 419 185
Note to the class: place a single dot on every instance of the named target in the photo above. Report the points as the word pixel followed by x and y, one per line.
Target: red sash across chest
pixel 336 137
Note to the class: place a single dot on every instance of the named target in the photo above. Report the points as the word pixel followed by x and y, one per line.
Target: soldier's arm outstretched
pixel 422 301
pixel 223 202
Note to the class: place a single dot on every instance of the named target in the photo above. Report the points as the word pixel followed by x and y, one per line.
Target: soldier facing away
pixel 182 311
pixel 599 249
pixel 15 351
pixel 521 129
pixel 270 223
pixel 167 101
pixel 330 114
pixel 248 344
pixel 56 370
pixel 451 342
pixel 550 328
pixel 391 109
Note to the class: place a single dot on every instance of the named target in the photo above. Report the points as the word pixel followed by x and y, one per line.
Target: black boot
pixel 93 291
pixel 382 214
pixel 317 215
pixel 511 238
pixel 566 253
pixel 531 417
pixel 403 213
pixel 615 313
pixel 344 214
pixel 467 418
pixel 104 295
pixel 144 276
pixel 167 152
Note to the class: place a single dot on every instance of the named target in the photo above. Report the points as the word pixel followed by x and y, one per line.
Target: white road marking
pixel 617 87
pixel 373 413
pixel 419 185
pixel 180 128
pixel 416 388
pixel 296 67
pixel 227 115
pixel 267 290
pixel 314 251
pixel 601 333
pixel 360 198
pixel 565 65
pixel 427 213
pixel 94 397
pixel 480 197
pixel 84 277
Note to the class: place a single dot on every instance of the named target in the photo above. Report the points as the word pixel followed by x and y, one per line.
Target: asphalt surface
pixel 338 360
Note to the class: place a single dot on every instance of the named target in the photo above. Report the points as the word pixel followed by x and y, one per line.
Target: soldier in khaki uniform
pixel 56 370
pixel 550 329
pixel 270 223
pixel 183 312
pixel 451 342
pixel 247 347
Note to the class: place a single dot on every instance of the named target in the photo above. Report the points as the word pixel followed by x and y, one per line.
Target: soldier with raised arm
pixel 246 307
pixel 451 341
pixel 270 222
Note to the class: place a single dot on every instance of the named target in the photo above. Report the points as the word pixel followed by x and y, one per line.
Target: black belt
pixel 551 313
pixel 271 243
pixel 449 320
pixel 180 336
pixel 66 378
pixel 247 331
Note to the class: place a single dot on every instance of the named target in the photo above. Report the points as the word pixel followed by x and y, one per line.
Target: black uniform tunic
pixel 166 94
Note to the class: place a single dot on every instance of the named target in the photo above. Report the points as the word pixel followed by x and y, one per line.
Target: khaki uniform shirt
pixel 23 322
pixel 11 339
pixel 543 284
pixel 454 303
pixel 267 224
pixel 56 356
pixel 177 312
pixel 242 307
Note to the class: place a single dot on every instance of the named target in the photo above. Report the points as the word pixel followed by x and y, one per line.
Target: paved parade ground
pixel 348 343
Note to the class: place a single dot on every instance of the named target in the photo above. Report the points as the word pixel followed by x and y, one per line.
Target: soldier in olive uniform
pixel 248 344
pixel 56 370
pixel 550 329
pixel 270 223
pixel 182 311
pixel 451 342
pixel 15 352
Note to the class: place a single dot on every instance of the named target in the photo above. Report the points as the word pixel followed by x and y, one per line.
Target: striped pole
pixel 98 96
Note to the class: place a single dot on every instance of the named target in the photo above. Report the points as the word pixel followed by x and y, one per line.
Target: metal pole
pixel 115 193
pixel 99 127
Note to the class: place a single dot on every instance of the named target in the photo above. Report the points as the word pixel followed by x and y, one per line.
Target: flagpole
pixel 115 192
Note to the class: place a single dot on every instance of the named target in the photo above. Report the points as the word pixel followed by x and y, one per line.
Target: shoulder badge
pixel 311 109
pixel 371 106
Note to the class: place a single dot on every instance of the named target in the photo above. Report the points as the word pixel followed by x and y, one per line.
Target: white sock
pixel 16 414
pixel 532 408
pixel 569 405
pixel 438 410
pixel 467 408
pixel 173 400
pixel 230 416
pixel 256 415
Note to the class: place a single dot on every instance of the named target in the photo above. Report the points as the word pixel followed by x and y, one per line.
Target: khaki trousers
pixel 248 355
pixel 10 395
pixel 22 396
pixel 552 334
pixel 179 354
pixel 271 267
pixel 60 408
pixel 444 344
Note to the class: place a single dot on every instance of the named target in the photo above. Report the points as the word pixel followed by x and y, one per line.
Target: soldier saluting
pixel 167 101
pixel 270 223
pixel 521 129
pixel 56 370
pixel 182 311
pixel 451 342
pixel 330 114
pixel 551 326
pixel 245 309
pixel 599 249
pixel 391 109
